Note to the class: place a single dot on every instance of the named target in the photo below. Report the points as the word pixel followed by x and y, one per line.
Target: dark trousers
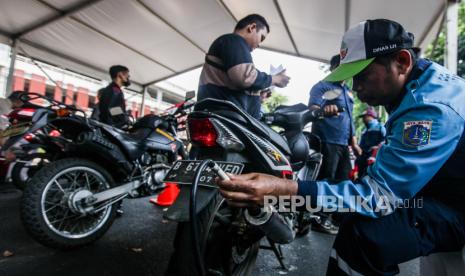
pixel 362 162
pixel 336 168
pixel 336 162
pixel 370 246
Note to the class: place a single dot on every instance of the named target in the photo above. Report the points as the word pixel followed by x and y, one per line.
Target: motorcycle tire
pixel 40 192
pixel 219 250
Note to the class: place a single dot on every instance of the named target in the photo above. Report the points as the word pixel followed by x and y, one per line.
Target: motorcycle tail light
pixel 29 137
pixel 27 112
pixel 202 132
pixel 54 133
pixel 211 133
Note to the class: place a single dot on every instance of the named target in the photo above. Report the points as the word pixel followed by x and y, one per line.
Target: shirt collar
pixel 419 67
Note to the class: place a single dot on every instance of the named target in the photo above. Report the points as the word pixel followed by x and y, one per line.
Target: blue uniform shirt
pixel 373 135
pixel 337 129
pixel 424 140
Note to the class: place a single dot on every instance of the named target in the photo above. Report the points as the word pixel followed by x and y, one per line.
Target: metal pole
pixel 450 53
pixel 9 80
pixel 144 92
pixel 159 96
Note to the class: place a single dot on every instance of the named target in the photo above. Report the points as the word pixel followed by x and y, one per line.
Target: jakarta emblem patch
pixel 417 133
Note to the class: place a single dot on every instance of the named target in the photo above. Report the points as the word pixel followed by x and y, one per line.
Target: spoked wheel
pixel 51 207
pixel 224 251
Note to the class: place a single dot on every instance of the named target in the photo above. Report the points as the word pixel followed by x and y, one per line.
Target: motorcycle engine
pixel 153 158
pixel 158 170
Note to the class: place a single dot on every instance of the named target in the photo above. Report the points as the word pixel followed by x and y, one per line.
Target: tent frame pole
pixel 11 71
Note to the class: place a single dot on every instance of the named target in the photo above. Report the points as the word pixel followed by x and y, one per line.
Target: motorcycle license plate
pixel 183 172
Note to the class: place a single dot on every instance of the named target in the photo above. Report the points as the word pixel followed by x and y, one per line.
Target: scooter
pixel 227 239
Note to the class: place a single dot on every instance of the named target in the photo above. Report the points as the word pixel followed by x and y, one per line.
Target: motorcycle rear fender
pixel 254 157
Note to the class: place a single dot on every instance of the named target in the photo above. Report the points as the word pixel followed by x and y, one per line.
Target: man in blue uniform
pixel 414 193
pixel 229 73
pixel 372 136
pixel 336 133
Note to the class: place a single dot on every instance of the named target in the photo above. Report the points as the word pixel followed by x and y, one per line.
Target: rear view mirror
pixel 190 95
pixel 332 94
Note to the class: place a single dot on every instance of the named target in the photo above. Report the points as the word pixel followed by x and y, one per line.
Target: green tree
pixel 274 101
pixel 437 54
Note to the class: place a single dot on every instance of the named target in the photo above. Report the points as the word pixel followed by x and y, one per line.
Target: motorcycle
pixel 24 158
pixel 72 200
pixel 227 239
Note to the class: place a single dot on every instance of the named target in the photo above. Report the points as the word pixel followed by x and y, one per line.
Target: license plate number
pixel 183 172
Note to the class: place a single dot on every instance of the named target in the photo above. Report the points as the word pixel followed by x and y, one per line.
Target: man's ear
pixel 404 61
pixel 251 27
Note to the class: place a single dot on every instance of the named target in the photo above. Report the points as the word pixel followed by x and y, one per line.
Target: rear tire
pixel 40 194
pixel 221 256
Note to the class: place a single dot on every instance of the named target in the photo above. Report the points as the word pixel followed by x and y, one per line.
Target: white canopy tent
pixel 158 39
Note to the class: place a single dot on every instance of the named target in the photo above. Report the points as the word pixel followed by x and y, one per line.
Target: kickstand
pixel 276 248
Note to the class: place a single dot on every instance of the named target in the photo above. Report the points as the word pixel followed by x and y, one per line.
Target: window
pixel 50 91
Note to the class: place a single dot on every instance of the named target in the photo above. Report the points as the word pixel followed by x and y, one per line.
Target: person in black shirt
pixel 111 106
pixel 229 73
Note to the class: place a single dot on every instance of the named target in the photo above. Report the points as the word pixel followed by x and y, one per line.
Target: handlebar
pixel 320 114
pixel 296 118
pixel 27 97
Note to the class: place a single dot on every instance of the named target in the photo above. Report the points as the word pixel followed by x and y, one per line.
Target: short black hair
pixel 115 69
pixel 387 59
pixel 335 60
pixel 259 20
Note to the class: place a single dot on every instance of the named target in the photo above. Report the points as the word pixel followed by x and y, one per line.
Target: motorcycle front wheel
pixel 48 207
pixel 221 253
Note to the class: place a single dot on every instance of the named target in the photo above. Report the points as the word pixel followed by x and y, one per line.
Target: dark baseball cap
pixel 366 41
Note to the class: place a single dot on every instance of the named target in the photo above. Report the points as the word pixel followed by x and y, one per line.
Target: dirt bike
pixel 71 201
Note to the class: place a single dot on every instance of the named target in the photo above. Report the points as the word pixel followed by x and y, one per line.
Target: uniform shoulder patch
pixel 417 133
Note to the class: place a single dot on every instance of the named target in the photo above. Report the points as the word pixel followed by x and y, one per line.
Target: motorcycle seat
pixel 132 143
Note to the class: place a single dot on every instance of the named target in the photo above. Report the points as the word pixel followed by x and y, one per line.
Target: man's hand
pixel 331 110
pixel 355 147
pixel 250 189
pixel 280 80
pixel 357 150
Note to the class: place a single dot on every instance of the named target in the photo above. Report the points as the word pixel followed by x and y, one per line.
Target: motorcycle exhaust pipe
pixel 275 226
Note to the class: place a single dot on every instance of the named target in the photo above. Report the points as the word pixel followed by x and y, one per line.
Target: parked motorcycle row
pixel 74 171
